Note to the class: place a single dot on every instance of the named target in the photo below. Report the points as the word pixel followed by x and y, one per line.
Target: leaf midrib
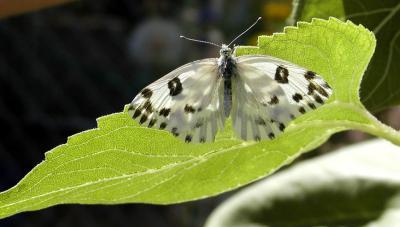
pixel 207 156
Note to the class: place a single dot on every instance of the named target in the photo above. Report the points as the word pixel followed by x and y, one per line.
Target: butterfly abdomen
pixel 227 68
pixel 227 96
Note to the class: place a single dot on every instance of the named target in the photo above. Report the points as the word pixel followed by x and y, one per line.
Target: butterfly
pixel 262 94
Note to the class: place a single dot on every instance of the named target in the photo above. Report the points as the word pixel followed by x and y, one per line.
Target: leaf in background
pixel 306 10
pixel 357 186
pixel 121 162
pixel 380 85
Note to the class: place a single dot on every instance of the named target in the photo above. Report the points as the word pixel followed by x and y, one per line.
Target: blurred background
pixel 62 67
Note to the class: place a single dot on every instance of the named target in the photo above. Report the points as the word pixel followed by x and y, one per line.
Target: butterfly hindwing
pixel 188 102
pixel 268 93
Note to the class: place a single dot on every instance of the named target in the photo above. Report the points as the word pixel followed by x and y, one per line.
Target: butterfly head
pixel 225 51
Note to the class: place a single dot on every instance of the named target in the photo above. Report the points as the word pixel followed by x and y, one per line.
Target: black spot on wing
pixel 148 107
pixel 302 110
pixel 143 119
pixel 175 86
pixel 281 75
pixel 189 109
pixel 297 97
pixel 152 122
pixel 198 124
pixel 318 99
pixel 146 93
pixel 311 88
pixel 274 100
pixel 174 131
pixel 260 121
pixel 188 138
pixel 311 105
pixel 309 75
pixel 315 87
pixel 271 135
pixel 322 91
pixel 163 125
pixel 326 85
pixel 165 112
pixel 137 113
pixel 282 126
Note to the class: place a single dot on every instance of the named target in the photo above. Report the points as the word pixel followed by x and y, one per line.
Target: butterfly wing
pixel 268 93
pixel 188 102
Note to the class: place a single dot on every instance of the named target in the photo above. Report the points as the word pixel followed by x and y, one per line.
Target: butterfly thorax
pixel 226 68
pixel 226 62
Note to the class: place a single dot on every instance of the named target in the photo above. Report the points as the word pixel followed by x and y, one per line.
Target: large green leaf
pixel 357 186
pixel 121 162
pixel 380 85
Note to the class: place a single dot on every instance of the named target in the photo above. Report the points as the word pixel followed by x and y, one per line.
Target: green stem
pixel 379 129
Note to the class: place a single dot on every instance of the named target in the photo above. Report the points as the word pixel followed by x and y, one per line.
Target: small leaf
pixel 357 186
pixel 380 86
pixel 121 162
pixel 305 10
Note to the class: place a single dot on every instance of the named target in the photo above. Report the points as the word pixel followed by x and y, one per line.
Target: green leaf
pixel 121 162
pixel 305 10
pixel 357 186
pixel 380 86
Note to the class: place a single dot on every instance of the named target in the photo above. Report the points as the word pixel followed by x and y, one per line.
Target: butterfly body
pixel 226 69
pixel 262 94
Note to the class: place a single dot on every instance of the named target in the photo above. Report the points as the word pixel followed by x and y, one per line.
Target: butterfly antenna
pixel 200 41
pixel 245 31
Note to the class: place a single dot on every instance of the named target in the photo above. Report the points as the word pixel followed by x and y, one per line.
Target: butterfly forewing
pixel 188 102
pixel 268 93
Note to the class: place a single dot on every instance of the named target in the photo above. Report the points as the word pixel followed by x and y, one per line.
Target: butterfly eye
pixel 225 52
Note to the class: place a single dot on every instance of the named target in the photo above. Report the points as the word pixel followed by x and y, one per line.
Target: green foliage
pixel 305 10
pixel 121 162
pixel 357 186
pixel 380 85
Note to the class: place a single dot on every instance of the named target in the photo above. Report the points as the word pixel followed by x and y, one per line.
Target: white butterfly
pixel 261 93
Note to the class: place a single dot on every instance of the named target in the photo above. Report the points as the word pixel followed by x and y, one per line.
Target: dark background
pixel 61 68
